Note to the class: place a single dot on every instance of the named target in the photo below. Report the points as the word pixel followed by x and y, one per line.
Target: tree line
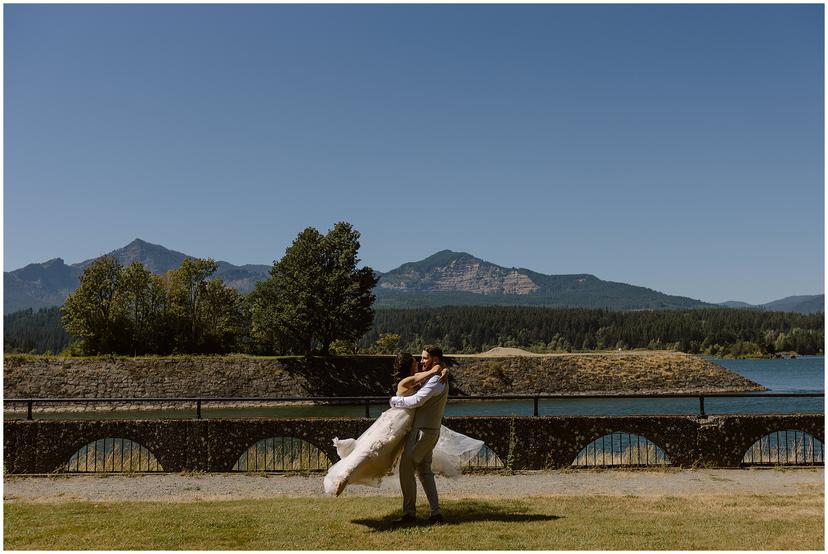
pixel 34 332
pixel 722 332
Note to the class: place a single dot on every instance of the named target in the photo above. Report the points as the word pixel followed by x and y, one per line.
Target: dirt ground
pixel 191 487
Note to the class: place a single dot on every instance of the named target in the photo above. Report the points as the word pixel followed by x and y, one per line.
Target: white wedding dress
pixel 376 453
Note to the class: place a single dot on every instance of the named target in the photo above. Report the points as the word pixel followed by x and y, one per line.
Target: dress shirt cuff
pixel 397 402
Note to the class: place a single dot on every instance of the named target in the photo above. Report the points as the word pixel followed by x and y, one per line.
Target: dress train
pixel 375 454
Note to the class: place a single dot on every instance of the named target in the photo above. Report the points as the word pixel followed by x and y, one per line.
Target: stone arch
pixel 675 437
pixel 282 453
pixel 55 456
pixel 229 439
pixel 621 448
pixel 486 459
pixel 111 455
pixel 785 447
pixel 725 440
pixel 495 434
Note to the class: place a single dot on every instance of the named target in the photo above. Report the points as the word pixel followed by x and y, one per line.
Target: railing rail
pixel 368 400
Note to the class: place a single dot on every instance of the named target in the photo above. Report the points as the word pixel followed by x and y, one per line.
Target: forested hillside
pixel 716 331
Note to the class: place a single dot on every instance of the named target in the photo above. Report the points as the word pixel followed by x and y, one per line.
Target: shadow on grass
pixel 457 513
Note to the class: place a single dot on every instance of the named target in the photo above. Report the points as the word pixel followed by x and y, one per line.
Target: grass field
pixel 745 522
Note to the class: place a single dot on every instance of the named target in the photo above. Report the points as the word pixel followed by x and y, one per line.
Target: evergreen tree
pixel 315 293
pixel 31 332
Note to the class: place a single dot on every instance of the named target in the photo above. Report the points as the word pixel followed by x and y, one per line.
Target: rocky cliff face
pixel 450 278
pixel 464 273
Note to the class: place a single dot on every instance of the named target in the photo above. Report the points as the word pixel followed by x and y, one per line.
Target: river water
pixel 803 374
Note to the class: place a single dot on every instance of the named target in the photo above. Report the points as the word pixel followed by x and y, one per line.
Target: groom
pixel 429 404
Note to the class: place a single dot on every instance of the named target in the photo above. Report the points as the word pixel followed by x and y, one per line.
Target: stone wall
pixel 41 446
pixel 239 376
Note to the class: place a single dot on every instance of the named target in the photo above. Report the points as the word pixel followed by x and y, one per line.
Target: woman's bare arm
pixel 408 384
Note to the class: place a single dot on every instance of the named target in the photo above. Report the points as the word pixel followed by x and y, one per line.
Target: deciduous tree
pixel 186 289
pixel 94 312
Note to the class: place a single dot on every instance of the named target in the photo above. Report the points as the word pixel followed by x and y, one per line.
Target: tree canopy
pixel 315 294
pixel 129 310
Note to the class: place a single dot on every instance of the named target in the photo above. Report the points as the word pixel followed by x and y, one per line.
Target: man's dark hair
pixel 434 350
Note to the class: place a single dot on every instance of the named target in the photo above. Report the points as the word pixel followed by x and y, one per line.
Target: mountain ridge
pixel 802 303
pixel 459 278
pixel 49 283
pixel 444 278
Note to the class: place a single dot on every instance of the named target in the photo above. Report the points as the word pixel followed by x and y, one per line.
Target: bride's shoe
pixel 341 487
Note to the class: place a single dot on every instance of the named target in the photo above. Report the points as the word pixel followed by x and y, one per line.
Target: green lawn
pixel 747 522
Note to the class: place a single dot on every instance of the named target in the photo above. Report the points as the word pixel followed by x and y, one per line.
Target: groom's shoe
pixel 436 519
pixel 406 519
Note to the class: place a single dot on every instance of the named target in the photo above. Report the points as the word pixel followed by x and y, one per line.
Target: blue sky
pixel 674 147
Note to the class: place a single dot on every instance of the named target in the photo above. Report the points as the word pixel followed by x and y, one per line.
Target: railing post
pixel 198 409
pixel 701 406
pixel 367 408
pixel 29 409
pixel 536 406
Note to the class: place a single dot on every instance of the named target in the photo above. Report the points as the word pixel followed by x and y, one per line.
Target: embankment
pixel 241 376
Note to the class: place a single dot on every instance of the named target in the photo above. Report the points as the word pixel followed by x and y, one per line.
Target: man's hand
pixel 444 375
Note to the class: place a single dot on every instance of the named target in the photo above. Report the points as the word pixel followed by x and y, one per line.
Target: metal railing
pixel 111 455
pixel 624 450
pixel 282 454
pixel 366 401
pixel 785 447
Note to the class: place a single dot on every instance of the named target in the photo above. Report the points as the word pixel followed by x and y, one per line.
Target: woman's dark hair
pixel 402 366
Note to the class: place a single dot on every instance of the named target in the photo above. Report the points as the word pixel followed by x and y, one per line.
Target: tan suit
pixel 416 456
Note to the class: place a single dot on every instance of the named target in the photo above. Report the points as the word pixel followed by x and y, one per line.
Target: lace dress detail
pixel 376 453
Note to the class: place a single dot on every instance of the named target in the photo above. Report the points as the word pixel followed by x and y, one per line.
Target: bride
pixel 375 454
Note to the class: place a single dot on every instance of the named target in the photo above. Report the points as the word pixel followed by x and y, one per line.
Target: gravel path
pixel 175 487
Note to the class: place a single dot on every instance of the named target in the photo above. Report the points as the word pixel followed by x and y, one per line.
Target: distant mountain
pixel 803 304
pixel 443 279
pixel 735 304
pixel 38 285
pixel 458 278
pixel 49 283
pixel 154 257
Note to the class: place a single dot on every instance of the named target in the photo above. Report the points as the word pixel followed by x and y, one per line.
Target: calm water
pixel 803 374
